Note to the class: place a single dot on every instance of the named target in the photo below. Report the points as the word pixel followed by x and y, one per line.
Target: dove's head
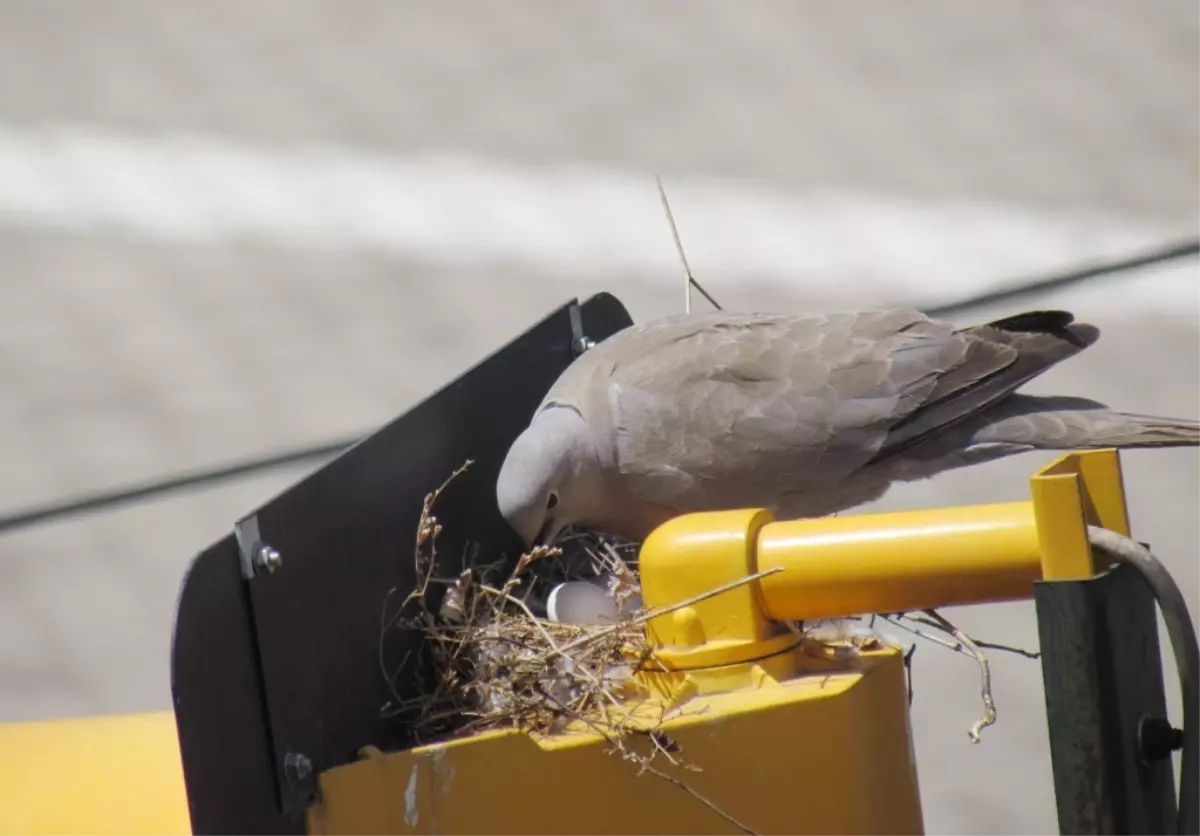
pixel 550 478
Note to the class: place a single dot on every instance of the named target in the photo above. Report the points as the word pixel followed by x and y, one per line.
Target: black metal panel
pixel 287 663
pixel 1102 669
pixel 346 537
pixel 220 710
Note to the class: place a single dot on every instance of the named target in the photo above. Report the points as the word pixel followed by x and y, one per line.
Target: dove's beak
pixel 551 528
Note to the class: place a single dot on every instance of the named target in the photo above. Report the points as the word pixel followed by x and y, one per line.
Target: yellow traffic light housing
pixel 787 742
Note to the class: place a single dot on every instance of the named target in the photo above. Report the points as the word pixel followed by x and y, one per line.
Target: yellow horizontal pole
pixel 107 774
pixel 912 560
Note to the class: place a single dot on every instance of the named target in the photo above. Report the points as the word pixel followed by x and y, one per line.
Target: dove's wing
pixel 728 409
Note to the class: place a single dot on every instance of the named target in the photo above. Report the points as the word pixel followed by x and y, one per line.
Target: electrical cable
pixel 120 496
pixel 1054 281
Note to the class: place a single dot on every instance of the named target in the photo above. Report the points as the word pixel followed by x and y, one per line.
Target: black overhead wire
pixel 204 478
pixel 1054 281
pixel 199 478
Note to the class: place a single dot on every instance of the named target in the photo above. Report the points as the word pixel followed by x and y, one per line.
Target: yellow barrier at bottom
pixel 115 774
pixel 825 752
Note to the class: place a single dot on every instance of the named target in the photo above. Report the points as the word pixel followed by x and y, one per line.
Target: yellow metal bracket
pixel 1077 490
pixel 784 741
pixel 693 557
pixel 872 563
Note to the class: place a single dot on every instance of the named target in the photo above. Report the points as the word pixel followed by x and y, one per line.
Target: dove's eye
pixel 552 501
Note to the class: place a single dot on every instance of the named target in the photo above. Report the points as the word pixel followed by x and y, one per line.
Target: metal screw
pixel 582 344
pixel 266 559
pixel 1157 738
pixel 296 766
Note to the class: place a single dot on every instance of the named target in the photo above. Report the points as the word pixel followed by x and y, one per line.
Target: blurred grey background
pixel 231 228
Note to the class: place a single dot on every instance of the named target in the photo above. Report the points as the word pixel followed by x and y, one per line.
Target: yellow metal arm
pixel 899 562
pixel 871 563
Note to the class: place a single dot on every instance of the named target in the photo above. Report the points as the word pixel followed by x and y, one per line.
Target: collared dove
pixel 804 415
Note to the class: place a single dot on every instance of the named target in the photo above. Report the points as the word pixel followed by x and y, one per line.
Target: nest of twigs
pixel 495 663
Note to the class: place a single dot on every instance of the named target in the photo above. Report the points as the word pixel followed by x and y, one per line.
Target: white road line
pixel 575 220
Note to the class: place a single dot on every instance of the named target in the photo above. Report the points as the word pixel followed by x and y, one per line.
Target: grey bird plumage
pixel 805 415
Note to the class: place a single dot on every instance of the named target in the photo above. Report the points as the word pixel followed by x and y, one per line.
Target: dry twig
pixel 960 642
pixel 985 671
pixel 687 270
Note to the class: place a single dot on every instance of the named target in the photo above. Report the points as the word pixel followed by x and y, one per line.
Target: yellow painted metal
pixel 1076 490
pixel 788 741
pixel 1101 487
pixel 825 752
pixel 693 555
pixel 107 774
pixel 838 566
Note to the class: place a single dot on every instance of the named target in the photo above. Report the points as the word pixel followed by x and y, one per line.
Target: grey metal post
pixel 1102 671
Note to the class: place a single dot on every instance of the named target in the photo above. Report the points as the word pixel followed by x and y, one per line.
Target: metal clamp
pixel 257 557
pixel 580 342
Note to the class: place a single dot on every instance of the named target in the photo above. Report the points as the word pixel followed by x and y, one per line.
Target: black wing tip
pixel 1032 322
pixel 1057 323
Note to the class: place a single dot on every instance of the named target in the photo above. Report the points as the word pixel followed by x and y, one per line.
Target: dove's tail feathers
pixel 1091 430
pixel 1084 428
pixel 1026 423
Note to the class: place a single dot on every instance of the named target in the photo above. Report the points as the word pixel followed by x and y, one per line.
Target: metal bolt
pixel 296 766
pixel 266 559
pixel 582 344
pixel 1157 738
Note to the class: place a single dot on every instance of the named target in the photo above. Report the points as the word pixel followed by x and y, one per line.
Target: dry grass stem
pixel 699 797
pixel 1008 648
pixel 964 644
pixel 690 280
pixel 949 636
pixel 985 673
